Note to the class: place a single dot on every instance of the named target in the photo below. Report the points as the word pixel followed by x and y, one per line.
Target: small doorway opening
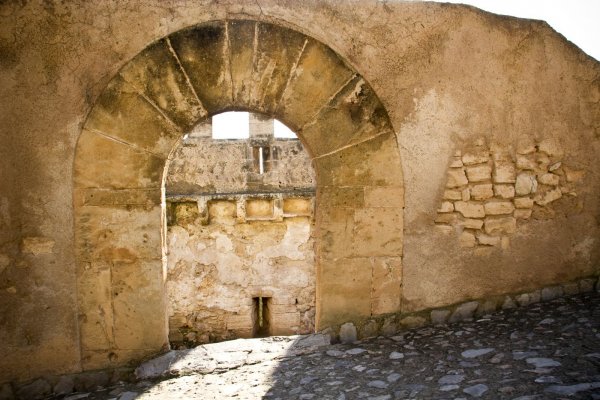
pixel 261 318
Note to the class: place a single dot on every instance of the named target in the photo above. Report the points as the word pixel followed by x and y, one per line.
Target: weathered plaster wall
pixel 215 270
pixel 447 75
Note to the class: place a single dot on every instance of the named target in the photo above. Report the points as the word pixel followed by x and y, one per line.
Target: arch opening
pixel 161 94
pixel 240 256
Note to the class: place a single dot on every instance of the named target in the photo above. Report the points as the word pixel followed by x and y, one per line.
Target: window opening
pixel 262 155
pixel 261 317
pixel 261 161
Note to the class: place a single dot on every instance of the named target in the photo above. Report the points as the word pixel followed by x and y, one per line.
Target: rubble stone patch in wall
pixel 491 190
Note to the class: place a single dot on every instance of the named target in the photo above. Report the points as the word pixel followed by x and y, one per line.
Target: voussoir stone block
pixel 277 51
pixel 319 75
pixel 354 115
pixel 102 162
pixel 204 55
pixel 241 35
pixel 375 162
pixel 157 74
pixel 123 114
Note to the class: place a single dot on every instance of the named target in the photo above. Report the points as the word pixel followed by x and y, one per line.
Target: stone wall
pixel 217 270
pixel 383 97
pixel 492 190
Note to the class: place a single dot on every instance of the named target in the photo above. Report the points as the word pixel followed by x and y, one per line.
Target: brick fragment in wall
pixel 469 210
pixel 446 218
pixel 548 179
pixel 478 157
pixel 526 162
pixel 499 207
pixel 488 240
pixel 470 223
pixel 523 202
pixel 526 184
pixel 467 239
pixel 479 173
pixel 456 162
pixel 500 225
pixel 573 175
pixel 504 191
pixel 522 213
pixel 452 195
pixel 456 178
pixel 482 191
pixel 543 162
pixel 547 197
pixel 466 194
pixel 447 206
pixel 504 172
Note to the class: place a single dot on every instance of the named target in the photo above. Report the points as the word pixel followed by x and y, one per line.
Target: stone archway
pixel 140 117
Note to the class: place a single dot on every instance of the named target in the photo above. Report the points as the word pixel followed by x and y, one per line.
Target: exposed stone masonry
pixel 490 190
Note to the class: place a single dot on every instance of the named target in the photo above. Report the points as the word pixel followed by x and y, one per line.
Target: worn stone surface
pixel 55 68
pixel 511 354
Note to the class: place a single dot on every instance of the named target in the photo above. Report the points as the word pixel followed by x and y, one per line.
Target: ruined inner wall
pixel 237 231
pixel 447 75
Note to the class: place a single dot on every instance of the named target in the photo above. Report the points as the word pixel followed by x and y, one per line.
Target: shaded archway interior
pixel 143 113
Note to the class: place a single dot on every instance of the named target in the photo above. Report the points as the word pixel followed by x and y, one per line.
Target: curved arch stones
pixel 161 94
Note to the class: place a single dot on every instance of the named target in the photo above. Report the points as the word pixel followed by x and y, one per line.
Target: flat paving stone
pixel 544 351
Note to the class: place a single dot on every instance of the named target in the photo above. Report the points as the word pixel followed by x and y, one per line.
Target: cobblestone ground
pixel 544 351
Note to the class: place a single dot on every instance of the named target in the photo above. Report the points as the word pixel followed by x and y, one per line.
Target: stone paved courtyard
pixel 544 351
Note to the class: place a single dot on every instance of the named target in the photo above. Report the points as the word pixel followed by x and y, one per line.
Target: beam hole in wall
pixel 261 318
pixel 239 222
